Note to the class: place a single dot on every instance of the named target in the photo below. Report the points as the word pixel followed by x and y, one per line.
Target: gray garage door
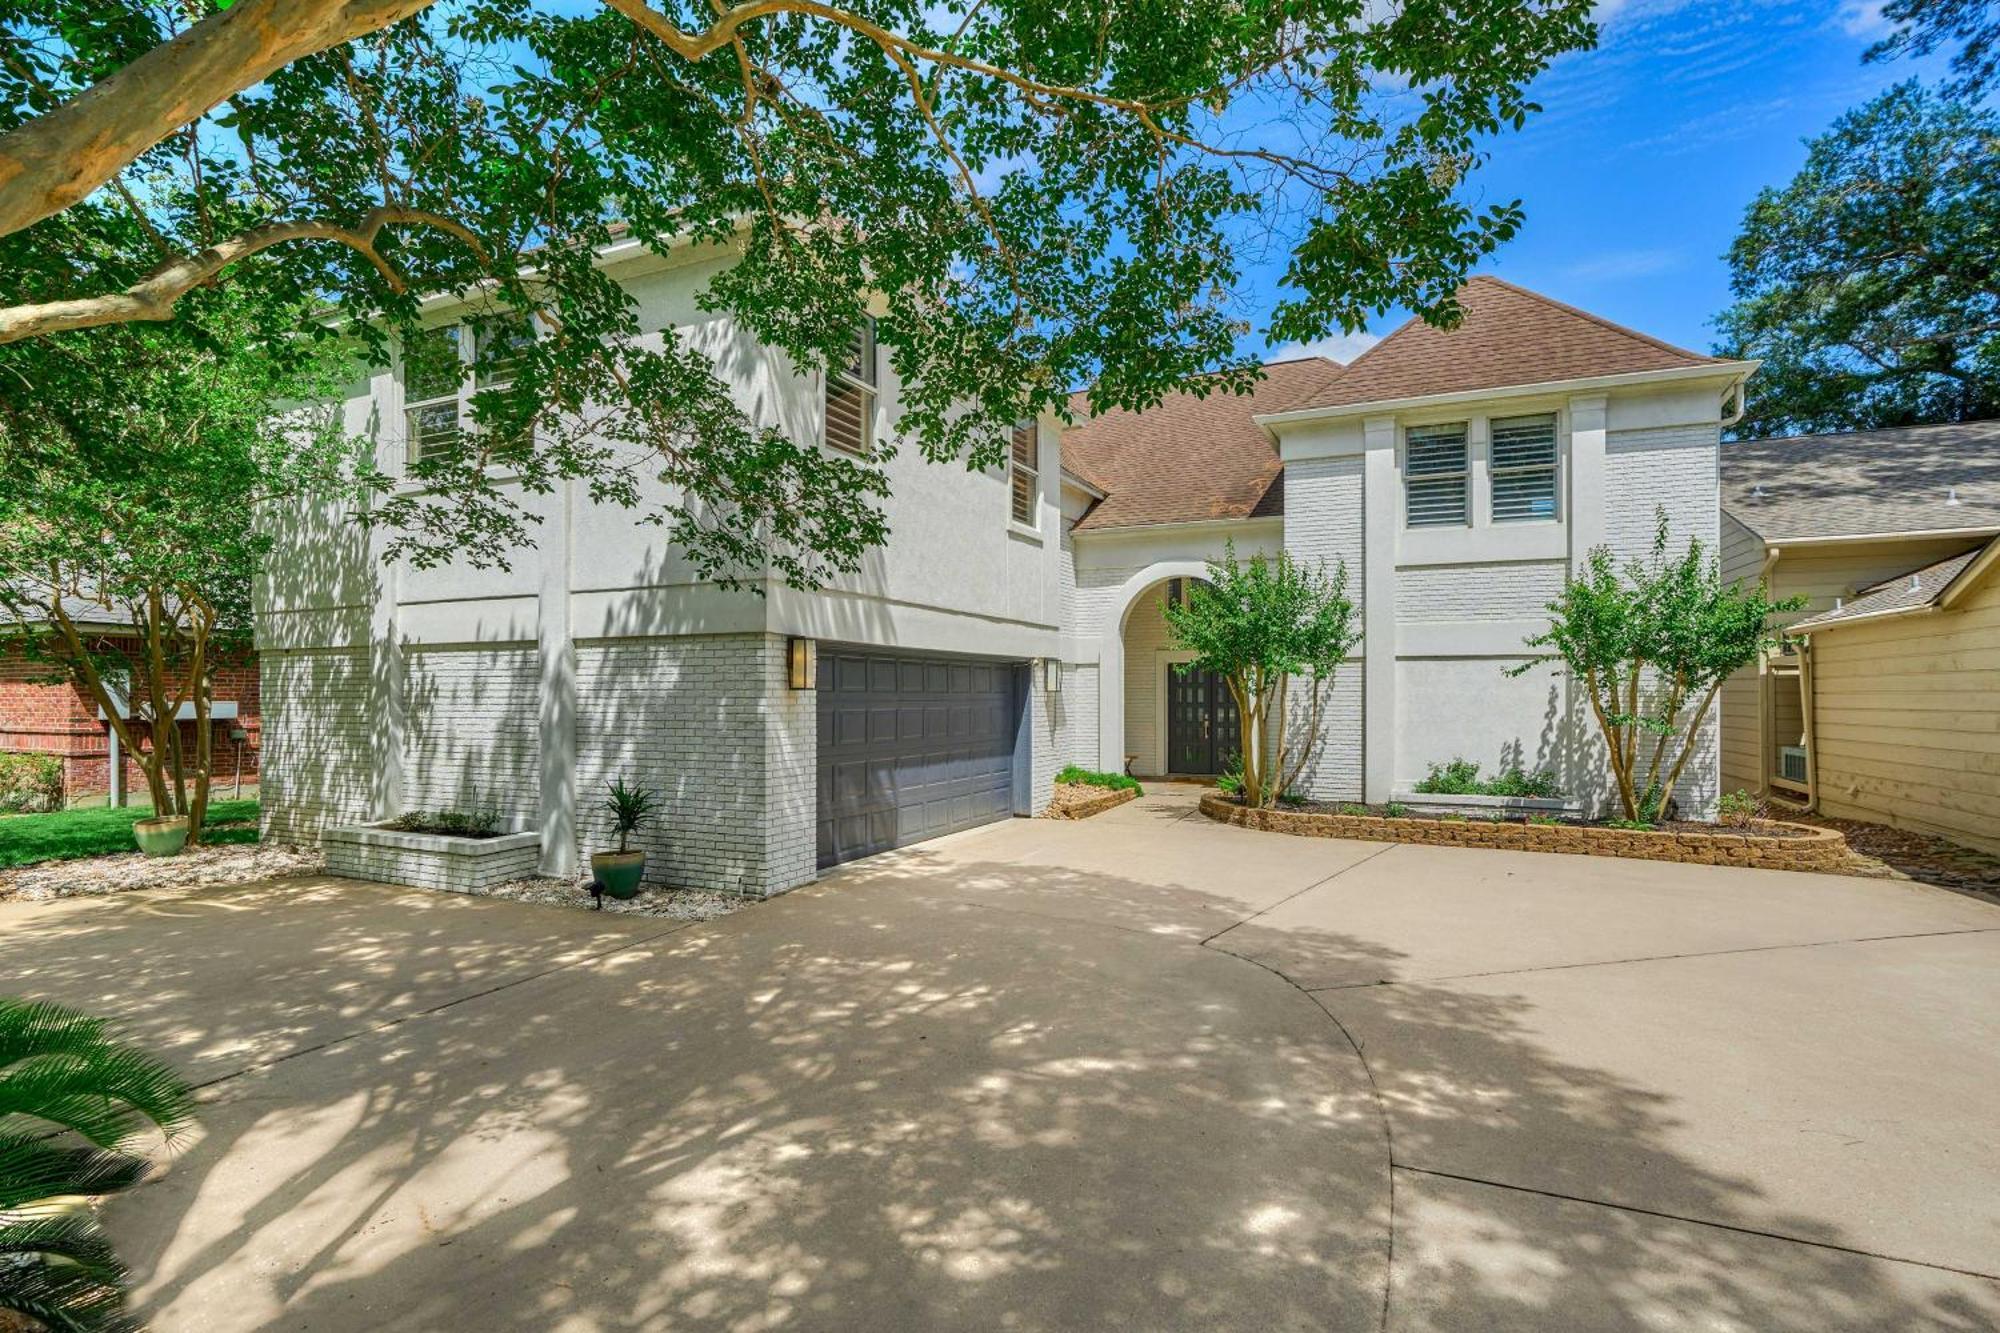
pixel 911 747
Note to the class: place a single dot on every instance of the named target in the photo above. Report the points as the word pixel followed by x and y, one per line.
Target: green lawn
pixel 69 834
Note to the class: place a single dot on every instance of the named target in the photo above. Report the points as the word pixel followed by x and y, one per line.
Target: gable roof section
pixel 1509 337
pixel 1190 458
pixel 1935 585
pixel 1865 482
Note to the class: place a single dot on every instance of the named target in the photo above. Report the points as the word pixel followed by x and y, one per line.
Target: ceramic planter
pixel 163 836
pixel 618 872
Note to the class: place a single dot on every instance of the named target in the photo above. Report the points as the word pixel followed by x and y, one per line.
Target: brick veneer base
pixel 428 861
pixel 1818 849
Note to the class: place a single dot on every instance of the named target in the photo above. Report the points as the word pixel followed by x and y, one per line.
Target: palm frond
pixel 71 1238
pixel 64 1299
pixel 33 1168
pixel 65 1068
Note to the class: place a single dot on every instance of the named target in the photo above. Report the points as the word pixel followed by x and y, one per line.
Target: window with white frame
pixel 433 390
pixel 1434 476
pixel 850 395
pixel 1523 468
pixel 1024 465
pixel 444 366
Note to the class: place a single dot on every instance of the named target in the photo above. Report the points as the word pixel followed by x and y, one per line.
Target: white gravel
pixel 202 868
pixel 680 904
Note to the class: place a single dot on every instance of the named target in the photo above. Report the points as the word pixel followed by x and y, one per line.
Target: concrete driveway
pixel 1141 1072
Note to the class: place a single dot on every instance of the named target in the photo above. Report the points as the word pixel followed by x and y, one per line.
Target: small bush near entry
pixel 1092 778
pixel 1461 777
pixel 30 784
pixel 1736 807
pixel 478 823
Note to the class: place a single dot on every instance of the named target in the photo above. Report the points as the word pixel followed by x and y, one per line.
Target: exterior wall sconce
pixel 1051 675
pixel 803 655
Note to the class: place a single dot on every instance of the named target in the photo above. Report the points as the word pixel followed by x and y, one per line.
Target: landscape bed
pixel 431 860
pixel 1765 844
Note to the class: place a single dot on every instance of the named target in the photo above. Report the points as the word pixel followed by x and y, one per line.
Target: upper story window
pixel 850 395
pixel 1434 476
pixel 1523 468
pixel 1024 465
pixel 444 366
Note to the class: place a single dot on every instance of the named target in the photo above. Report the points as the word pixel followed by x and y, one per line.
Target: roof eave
pixel 1839 538
pixel 1731 371
pixel 1184 524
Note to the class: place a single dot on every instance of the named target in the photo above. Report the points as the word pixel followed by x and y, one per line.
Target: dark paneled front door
pixel 1203 733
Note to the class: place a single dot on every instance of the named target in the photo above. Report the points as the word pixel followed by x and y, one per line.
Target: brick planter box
pixel 1819 849
pixel 430 860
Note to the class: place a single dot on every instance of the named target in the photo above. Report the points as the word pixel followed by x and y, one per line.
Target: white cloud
pixel 1863 18
pixel 1341 347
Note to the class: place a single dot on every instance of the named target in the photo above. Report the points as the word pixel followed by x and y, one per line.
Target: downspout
pixel 1806 705
pixel 1741 390
pixel 1766 749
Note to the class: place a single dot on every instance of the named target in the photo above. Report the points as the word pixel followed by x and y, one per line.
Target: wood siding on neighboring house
pixel 1907 720
pixel 1825 574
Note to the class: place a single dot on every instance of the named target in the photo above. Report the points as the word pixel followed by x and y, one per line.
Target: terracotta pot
pixel 164 835
pixel 619 872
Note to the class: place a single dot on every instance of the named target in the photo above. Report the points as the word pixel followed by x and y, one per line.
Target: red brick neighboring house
pixel 37 717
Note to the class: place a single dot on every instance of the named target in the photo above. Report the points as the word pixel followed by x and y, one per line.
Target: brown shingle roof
pixel 1865 481
pixel 1918 588
pixel 1189 458
pixel 1509 336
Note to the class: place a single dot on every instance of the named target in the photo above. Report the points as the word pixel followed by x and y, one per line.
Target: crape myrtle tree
pixel 1870 284
pixel 128 499
pixel 1258 625
pixel 1651 642
pixel 1027 196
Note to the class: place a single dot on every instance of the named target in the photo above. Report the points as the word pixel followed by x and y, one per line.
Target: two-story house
pixel 1012 623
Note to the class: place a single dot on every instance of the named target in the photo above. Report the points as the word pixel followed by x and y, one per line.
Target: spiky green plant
pixel 76 1105
pixel 631 808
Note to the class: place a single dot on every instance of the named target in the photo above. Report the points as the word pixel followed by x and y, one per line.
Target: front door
pixel 1203 735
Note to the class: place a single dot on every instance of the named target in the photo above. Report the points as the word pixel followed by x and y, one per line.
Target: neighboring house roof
pixel 1866 482
pixel 1188 459
pixel 1509 337
pixel 1935 585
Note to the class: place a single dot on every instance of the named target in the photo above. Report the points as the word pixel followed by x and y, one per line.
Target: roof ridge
pixel 1599 320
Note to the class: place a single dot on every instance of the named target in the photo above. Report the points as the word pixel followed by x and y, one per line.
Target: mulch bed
pixel 1881 852
pixel 200 868
pixel 1764 827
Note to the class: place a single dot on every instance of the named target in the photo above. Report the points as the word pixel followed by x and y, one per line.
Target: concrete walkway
pixel 1139 1072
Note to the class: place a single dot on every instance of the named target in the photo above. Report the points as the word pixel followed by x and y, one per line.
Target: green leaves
pixel 63 1074
pixel 1867 285
pixel 1038 197
pixel 1647 641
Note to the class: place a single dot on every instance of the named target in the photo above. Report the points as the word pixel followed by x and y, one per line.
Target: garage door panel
pixel 911 748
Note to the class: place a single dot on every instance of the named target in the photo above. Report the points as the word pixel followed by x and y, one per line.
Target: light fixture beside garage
pixel 1052 675
pixel 804 655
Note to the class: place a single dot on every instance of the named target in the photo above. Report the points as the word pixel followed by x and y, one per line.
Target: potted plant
pixel 162 835
pixel 631 810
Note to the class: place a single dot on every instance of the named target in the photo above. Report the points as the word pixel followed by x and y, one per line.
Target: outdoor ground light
pixel 804 662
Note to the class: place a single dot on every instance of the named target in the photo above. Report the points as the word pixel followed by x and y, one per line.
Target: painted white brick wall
pixel 1675 469
pixel 471 738
pixel 1515 591
pixel 1323 525
pixel 709 723
pixel 318 729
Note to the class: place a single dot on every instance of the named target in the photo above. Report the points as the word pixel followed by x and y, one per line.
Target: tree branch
pixel 154 296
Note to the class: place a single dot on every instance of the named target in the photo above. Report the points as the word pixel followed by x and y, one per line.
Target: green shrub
pixel 1092 778
pixel 1543 819
pixel 479 823
pixel 1736 807
pixel 30 784
pixel 1395 809
pixel 1636 825
pixel 632 808
pixel 1295 799
pixel 1352 809
pixel 1461 777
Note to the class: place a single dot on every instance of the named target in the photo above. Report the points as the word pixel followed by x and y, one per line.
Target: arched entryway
pixel 1136 689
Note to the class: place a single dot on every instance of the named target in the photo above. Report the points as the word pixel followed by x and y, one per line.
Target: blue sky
pixel 1636 174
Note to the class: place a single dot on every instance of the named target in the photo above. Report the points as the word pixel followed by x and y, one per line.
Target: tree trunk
pixel 204 742
pixel 1689 739
pixel 1239 688
pixel 62 156
pixel 84 672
